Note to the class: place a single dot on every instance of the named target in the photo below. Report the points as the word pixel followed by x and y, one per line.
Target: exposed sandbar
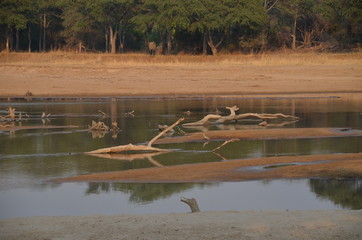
pixel 266 133
pixel 326 165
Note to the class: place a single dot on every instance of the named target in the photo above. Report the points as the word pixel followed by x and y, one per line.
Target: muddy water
pixel 29 158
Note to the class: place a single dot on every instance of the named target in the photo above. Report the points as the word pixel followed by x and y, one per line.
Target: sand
pixel 321 225
pixel 59 75
pixel 347 165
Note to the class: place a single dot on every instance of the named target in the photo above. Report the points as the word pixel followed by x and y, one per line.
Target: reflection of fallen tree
pixel 130 157
pixel 10 116
pixel 218 119
pixel 138 148
pixel 273 133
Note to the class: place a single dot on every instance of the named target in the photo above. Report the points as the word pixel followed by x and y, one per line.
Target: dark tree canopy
pixel 190 26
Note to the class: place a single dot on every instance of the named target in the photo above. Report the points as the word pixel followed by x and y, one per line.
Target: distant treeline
pixel 187 26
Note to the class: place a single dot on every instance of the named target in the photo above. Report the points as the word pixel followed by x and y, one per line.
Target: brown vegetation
pixel 265 59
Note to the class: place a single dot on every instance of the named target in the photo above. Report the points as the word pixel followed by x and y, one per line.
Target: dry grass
pixel 132 59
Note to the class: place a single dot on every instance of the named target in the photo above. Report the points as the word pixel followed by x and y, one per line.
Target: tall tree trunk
pixel 107 41
pixel 294 35
pixel 212 45
pixel 121 41
pixel 29 39
pixel 44 31
pixel 40 34
pixel 112 38
pixel 80 46
pixel 17 40
pixel 169 43
pixel 204 44
pixel 7 44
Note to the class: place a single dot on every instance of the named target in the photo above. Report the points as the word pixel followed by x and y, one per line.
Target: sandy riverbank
pixel 51 75
pixel 321 225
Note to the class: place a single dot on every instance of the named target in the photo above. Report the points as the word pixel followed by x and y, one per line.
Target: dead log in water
pixel 218 119
pixel 11 115
pixel 137 148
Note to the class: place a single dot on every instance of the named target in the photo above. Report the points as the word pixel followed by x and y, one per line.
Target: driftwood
pixel 218 119
pixel 44 115
pixel 11 115
pixel 192 203
pixel 129 114
pixel 136 148
pixel 115 126
pixel 98 126
pixel 226 142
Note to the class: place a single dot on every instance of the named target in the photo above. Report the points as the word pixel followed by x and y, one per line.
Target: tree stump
pixel 192 203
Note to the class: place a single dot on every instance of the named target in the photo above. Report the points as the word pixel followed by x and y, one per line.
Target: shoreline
pixel 221 96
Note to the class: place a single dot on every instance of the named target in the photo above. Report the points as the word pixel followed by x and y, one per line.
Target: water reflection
pixel 346 193
pixel 30 157
pixel 143 192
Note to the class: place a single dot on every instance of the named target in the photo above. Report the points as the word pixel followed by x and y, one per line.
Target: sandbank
pixel 101 75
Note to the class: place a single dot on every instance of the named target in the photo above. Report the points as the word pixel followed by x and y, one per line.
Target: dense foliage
pixel 190 26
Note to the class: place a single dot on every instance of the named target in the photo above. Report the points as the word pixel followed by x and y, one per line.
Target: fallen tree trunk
pixel 137 148
pixel 127 148
pixel 234 117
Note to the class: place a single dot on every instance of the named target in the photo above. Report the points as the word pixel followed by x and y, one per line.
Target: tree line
pixel 188 26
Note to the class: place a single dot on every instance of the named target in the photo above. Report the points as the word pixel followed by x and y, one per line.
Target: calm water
pixel 29 158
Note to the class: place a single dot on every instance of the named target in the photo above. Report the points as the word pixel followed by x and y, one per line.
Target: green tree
pixel 163 18
pixel 113 15
pixel 13 16
pixel 50 22
pixel 345 19
pixel 208 17
pixel 79 26
pixel 216 18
